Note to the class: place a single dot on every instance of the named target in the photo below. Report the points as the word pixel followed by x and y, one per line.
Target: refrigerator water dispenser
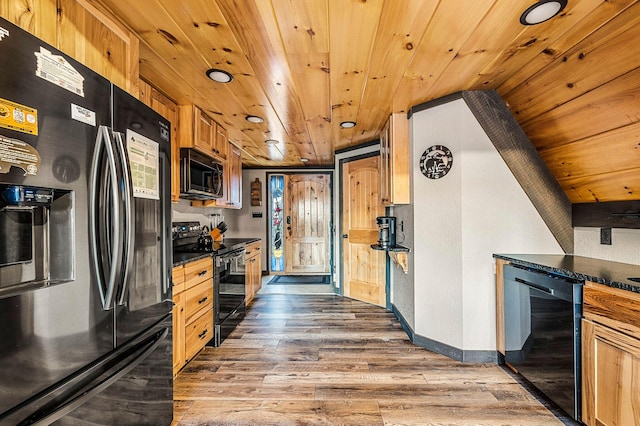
pixel 36 237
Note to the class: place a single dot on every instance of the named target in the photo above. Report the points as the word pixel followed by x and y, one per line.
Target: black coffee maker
pixel 386 231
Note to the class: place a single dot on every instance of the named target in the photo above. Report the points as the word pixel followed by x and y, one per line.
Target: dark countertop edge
pixel 614 282
pixel 184 258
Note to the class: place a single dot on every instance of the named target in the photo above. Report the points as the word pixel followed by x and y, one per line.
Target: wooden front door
pixel 307 214
pixel 363 268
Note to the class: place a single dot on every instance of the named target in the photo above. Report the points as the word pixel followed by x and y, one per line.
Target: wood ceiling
pixel 573 83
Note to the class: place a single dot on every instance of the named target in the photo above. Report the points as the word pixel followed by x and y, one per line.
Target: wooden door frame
pixel 387 284
pixel 332 226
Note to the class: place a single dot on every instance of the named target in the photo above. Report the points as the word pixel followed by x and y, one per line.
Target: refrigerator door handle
pixel 129 219
pixel 99 185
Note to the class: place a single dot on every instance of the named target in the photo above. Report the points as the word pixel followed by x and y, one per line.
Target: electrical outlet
pixel 605 236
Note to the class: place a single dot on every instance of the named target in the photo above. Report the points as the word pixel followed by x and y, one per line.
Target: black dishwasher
pixel 542 313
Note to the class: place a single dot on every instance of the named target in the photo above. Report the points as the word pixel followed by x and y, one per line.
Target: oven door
pixel 542 333
pixel 230 293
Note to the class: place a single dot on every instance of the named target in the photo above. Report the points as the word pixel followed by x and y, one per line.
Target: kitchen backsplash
pixel 625 244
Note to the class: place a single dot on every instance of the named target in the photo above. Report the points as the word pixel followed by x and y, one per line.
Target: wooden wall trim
pixel 525 163
pixel 613 214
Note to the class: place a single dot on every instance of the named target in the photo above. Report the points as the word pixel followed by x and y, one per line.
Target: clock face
pixel 436 161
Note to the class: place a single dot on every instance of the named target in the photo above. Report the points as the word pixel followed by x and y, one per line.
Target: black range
pixel 189 244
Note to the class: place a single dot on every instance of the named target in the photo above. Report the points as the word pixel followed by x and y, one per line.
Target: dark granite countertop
pixel 613 274
pixel 180 258
pixel 219 247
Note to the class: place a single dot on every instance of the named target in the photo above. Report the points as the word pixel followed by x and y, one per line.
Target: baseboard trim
pixel 466 356
pixel 403 322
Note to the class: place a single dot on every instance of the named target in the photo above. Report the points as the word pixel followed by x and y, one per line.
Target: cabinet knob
pixel 345 235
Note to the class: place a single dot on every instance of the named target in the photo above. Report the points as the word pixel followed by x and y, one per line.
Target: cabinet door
pixel 84 30
pixel 500 304
pixel 220 143
pixel 235 177
pixel 385 165
pixel 611 376
pixel 178 332
pixel 198 333
pixel 38 17
pixel 205 129
pixel 395 166
pixel 90 35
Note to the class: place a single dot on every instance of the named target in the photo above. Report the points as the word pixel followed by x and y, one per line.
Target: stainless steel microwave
pixel 201 177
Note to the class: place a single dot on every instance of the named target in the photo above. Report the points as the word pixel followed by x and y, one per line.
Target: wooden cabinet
pixel 193 310
pixel 610 356
pixel 232 183
pixel 220 144
pixel 500 305
pixel 178 319
pixel 169 110
pixel 234 179
pixel 84 30
pixel 200 132
pixel 395 166
pixel 253 270
pixel 179 357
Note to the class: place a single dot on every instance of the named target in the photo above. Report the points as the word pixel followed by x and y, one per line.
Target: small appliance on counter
pixel 386 231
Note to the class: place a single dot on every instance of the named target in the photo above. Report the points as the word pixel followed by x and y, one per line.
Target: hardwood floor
pixel 321 359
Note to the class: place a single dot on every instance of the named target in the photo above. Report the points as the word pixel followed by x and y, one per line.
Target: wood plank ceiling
pixel 307 65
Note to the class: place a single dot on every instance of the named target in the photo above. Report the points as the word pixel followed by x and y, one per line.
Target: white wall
pixel 625 245
pixel 460 220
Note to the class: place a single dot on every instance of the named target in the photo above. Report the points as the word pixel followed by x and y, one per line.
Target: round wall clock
pixel 436 161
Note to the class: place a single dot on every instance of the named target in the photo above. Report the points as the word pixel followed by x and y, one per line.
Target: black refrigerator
pixel 85 248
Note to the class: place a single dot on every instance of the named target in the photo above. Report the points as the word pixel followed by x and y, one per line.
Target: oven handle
pixel 536 286
pixel 231 254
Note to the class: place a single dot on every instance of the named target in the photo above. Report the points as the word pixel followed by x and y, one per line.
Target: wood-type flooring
pixel 322 359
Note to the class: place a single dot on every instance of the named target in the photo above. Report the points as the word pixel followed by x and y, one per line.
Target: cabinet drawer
pixel 197 271
pixel 252 249
pixel 198 333
pixel 177 277
pixel 616 308
pixel 199 298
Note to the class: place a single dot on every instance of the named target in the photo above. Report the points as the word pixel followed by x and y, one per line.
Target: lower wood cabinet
pixel 178 319
pixel 192 311
pixel 610 356
pixel 253 270
pixel 198 333
pixel 500 304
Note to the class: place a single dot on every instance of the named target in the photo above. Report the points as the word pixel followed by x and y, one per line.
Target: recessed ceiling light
pixel 271 142
pixel 542 11
pixel 219 75
pixel 347 124
pixel 254 119
pixel 304 160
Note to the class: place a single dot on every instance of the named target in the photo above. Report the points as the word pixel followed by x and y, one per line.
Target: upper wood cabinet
pixel 84 30
pixel 200 132
pixel 395 165
pixel 220 145
pixel 232 182
pixel 610 356
pixel 234 179
pixel 169 110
